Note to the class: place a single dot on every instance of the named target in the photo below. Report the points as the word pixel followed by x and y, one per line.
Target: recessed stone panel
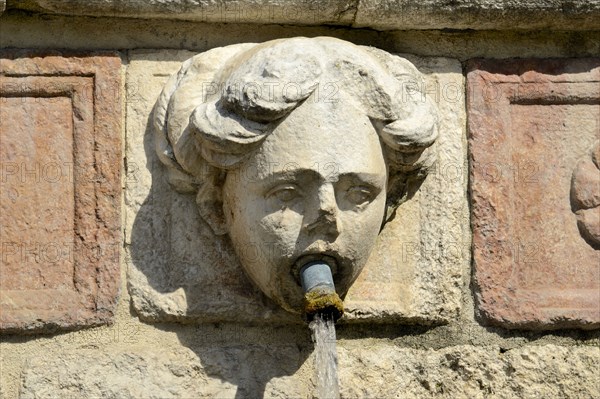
pixel 534 133
pixel 180 271
pixel 60 155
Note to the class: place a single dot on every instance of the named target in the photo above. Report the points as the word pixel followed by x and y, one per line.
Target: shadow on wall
pixel 179 271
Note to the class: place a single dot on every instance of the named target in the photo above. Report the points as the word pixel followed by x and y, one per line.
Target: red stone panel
pixel 60 155
pixel 534 132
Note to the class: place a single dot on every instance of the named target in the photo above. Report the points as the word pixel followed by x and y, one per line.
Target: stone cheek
pixel 533 127
pixel 59 210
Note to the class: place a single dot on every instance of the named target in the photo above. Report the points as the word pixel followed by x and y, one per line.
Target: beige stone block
pixel 476 14
pixel 534 134
pixel 550 371
pixel 60 124
pixel 178 270
pixel 366 369
pixel 296 12
pixel 375 14
pixel 216 372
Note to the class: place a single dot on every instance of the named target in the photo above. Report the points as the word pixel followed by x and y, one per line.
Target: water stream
pixel 323 334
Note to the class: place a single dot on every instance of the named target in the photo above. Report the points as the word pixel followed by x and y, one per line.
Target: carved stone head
pixel 297 149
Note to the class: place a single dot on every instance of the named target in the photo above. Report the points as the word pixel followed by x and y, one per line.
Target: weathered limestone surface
pixel 53 31
pixel 478 14
pixel 376 14
pixel 59 208
pixel 414 273
pixel 534 134
pixel 251 11
pixel 469 372
pixel 217 372
pixel 376 370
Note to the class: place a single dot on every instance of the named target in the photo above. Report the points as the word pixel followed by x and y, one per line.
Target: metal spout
pixel 319 292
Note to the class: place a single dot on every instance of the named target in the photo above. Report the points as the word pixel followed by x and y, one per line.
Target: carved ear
pixel 401 188
pixel 210 205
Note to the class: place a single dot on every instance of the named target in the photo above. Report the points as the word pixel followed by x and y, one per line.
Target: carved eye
pixel 359 195
pixel 284 192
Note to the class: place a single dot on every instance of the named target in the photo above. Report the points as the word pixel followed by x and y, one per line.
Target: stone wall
pixel 505 306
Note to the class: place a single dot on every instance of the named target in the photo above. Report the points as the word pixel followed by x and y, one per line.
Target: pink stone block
pixel 60 128
pixel 534 131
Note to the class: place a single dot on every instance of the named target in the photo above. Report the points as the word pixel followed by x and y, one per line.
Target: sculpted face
pixel 316 188
pixel 306 178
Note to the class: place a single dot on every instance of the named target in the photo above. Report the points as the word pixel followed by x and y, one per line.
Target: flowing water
pixel 323 333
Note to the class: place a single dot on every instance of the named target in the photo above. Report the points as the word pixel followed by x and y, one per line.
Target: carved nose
pixel 325 220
